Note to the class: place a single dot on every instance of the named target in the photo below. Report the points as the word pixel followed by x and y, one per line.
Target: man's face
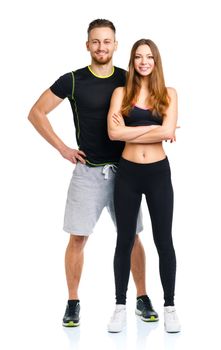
pixel 101 44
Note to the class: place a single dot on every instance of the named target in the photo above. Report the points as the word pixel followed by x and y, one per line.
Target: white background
pixel 41 40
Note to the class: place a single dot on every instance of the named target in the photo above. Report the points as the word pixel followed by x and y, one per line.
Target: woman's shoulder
pixel 171 91
pixel 119 90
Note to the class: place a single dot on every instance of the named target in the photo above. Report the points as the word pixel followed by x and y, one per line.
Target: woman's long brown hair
pixel 158 97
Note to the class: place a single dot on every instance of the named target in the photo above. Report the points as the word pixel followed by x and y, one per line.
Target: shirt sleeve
pixel 62 87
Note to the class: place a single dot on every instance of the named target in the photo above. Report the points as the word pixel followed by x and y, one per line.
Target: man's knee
pixel 77 242
pixel 137 241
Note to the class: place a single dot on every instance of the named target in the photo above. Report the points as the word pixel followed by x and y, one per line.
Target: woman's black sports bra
pixel 141 117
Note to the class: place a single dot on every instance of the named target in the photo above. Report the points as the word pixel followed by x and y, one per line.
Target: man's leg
pixel 138 266
pixel 74 259
pixel 84 205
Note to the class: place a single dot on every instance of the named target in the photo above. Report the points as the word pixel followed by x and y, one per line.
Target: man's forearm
pixel 42 125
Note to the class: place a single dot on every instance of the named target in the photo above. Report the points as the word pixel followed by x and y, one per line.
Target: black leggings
pixel 154 181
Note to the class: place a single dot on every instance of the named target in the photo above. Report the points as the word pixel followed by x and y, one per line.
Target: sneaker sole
pixel 151 319
pixel 111 331
pixel 172 331
pixel 115 330
pixel 71 324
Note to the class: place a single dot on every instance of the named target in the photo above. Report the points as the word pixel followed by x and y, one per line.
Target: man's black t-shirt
pixel 89 96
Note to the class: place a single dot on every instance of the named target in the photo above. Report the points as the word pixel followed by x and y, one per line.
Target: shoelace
pixel 116 314
pixel 173 314
pixel 147 304
pixel 72 309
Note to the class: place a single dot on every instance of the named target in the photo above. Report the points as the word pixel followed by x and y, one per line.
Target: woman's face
pixel 143 60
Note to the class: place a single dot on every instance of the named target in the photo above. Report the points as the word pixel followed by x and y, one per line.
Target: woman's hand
pixel 118 119
pixel 173 139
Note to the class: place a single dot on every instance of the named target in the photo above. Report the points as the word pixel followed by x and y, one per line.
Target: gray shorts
pixel 90 191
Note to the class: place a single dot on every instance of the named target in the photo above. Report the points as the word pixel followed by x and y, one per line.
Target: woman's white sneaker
pixel 171 320
pixel 118 320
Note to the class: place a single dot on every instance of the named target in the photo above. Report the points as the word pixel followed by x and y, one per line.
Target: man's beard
pixel 102 60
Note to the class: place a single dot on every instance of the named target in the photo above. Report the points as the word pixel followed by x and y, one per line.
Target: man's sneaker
pixel 118 320
pixel 171 320
pixel 145 310
pixel 71 317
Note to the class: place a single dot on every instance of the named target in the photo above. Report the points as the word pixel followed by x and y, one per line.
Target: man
pixel 91 189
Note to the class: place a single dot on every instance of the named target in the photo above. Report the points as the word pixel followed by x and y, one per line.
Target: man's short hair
pixel 98 23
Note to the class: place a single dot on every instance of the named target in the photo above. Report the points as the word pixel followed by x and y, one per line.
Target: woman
pixel 143 114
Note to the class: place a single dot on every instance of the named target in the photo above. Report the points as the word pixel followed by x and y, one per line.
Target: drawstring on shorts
pixel 106 169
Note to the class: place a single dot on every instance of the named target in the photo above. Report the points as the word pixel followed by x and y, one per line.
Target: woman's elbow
pixel 168 134
pixel 112 135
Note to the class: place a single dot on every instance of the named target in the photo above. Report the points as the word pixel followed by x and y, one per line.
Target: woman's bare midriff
pixel 144 153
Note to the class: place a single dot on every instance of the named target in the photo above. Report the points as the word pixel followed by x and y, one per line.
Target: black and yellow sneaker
pixel 71 317
pixel 145 310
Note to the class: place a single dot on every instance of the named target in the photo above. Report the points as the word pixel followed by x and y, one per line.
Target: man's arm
pixel 38 117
